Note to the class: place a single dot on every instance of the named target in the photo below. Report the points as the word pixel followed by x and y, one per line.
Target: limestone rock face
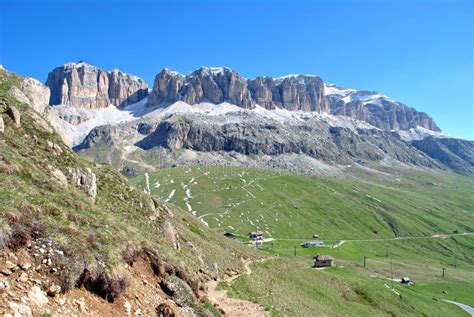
pixel 217 85
pixel 166 88
pixel 214 85
pixel 293 92
pixel 85 86
pixel 298 92
pixel 376 109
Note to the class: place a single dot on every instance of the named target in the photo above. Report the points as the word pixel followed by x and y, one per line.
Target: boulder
pixel 14 114
pixel 54 290
pixel 167 309
pixel 20 309
pixel 170 234
pixel 179 291
pixel 154 210
pixel 16 93
pixel 60 177
pixel 2 126
pixel 37 297
pixel 40 123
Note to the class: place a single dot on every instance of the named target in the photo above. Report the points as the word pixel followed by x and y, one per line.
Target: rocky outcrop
pixel 16 93
pixel 376 109
pixel 84 179
pixel 170 234
pixel 179 291
pixel 85 86
pixel 2 126
pixel 38 96
pixel 457 154
pixel 37 93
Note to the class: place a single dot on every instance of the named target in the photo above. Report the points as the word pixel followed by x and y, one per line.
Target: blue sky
pixel 418 52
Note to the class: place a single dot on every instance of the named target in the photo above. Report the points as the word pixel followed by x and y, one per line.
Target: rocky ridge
pixel 85 86
pixel 293 92
pixel 376 109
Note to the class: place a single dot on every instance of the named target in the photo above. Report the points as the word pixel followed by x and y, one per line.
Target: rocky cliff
pixel 216 85
pixel 457 154
pixel 376 109
pixel 85 86
pixel 293 92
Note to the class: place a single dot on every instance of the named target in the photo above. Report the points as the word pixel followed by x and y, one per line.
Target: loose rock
pixel 38 297
pixel 54 290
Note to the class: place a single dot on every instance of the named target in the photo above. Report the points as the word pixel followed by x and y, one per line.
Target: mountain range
pixel 295 122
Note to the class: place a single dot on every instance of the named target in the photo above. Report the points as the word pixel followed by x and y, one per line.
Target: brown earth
pixel 232 306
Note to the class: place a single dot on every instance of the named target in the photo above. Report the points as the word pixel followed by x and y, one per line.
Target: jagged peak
pixel 76 65
pixel 213 71
pixel 171 72
pixel 290 76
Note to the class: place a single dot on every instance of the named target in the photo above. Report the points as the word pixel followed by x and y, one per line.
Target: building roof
pixel 322 258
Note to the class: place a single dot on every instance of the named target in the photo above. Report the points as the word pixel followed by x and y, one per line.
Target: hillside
pixel 75 229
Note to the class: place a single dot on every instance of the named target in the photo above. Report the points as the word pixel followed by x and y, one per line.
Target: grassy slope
pixel 289 287
pixel 93 232
pixel 292 208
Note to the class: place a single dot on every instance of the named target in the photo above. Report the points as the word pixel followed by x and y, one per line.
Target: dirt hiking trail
pixel 231 306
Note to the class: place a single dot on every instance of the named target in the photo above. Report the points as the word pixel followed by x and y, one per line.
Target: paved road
pixel 468 309
pixel 447 235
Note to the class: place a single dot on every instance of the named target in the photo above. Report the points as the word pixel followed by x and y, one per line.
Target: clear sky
pixel 418 52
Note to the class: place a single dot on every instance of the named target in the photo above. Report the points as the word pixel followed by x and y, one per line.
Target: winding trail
pixel 231 306
pixel 127 150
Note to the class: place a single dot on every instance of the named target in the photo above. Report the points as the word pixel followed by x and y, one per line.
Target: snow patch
pixel 170 195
